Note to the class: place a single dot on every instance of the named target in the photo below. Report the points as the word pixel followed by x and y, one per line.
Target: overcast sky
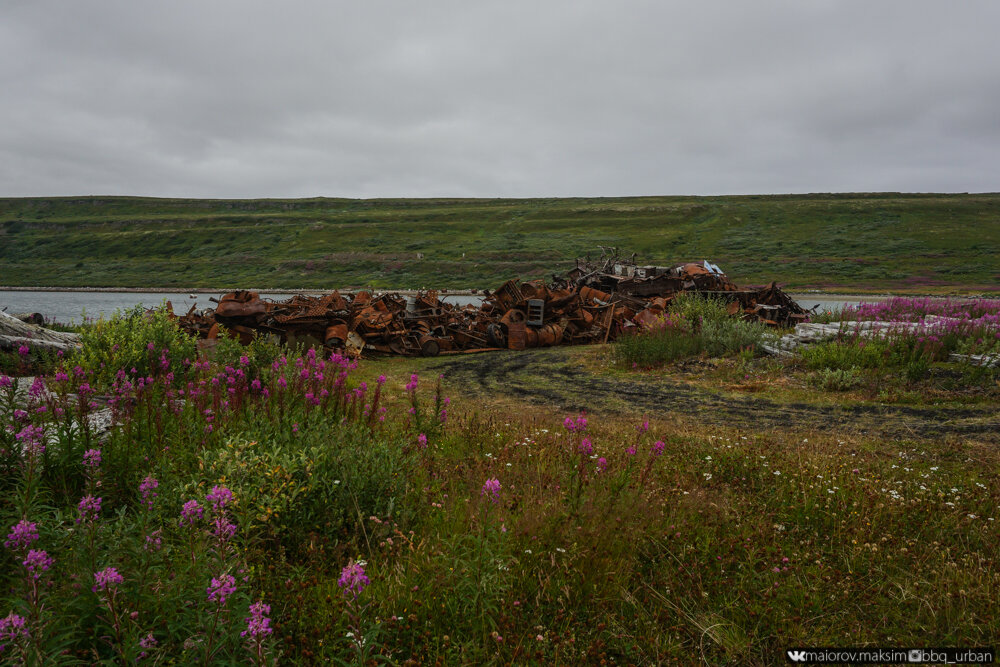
pixel 371 98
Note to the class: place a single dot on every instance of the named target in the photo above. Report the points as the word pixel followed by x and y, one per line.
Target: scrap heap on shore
pixel 594 302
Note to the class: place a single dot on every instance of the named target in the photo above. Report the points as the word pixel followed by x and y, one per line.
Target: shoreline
pixel 835 295
pixel 208 290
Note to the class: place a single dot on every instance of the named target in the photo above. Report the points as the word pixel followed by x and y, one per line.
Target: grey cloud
pixel 301 98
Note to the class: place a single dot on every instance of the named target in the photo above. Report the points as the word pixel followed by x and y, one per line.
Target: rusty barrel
pixel 550 334
pixel 429 346
pixel 591 294
pixel 335 335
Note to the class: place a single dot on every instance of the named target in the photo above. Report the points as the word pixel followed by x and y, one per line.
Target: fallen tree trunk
pixel 30 318
pixel 14 333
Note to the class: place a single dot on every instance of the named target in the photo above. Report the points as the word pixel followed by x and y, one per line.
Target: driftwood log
pixel 14 333
pixel 30 318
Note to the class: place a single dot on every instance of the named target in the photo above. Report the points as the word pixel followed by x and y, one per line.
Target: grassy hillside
pixel 878 242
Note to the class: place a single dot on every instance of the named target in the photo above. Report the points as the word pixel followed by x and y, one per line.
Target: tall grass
pixel 692 325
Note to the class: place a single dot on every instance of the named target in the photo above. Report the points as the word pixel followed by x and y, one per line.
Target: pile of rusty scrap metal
pixel 593 303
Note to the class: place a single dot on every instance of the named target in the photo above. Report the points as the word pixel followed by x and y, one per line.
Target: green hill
pixel 878 242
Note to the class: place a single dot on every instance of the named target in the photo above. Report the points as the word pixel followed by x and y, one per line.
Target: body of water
pixel 69 307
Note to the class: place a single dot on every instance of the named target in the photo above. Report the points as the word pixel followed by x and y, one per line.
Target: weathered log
pixel 14 333
pixel 30 318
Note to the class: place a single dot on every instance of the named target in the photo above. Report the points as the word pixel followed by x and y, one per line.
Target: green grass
pixel 677 540
pixel 878 242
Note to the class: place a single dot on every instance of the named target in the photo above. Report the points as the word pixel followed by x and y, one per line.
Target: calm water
pixel 69 307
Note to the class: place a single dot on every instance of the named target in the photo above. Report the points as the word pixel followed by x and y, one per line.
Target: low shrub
pixel 692 325
pixel 829 379
pixel 138 342
pixel 846 355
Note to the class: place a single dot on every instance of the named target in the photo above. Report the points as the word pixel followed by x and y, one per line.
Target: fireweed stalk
pixel 217 594
pixel 191 514
pixel 353 582
pixel 581 447
pixel 151 541
pixel 14 635
pixel 106 586
pixel 89 509
pixel 257 632
pixel 37 564
pixel 223 529
pixel 31 440
pixel 490 495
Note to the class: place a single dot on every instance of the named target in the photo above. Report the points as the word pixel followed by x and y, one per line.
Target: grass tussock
pixel 692 325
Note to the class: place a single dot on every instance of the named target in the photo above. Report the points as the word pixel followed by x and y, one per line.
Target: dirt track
pixel 548 376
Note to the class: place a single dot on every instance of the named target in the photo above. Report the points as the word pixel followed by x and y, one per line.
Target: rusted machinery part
pixel 495 335
pixel 429 346
pixel 336 335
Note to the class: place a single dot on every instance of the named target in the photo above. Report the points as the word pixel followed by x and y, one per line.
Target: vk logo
pixel 796 656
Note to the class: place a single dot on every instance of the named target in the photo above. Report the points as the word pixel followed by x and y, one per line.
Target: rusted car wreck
pixel 595 302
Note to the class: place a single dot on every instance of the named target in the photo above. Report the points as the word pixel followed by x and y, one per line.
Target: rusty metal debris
pixel 593 303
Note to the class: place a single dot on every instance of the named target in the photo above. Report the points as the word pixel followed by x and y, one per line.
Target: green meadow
pixel 903 243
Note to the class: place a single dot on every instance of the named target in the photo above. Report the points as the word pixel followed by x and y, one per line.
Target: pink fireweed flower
pixel 12 628
pixel 353 579
pixel 21 535
pixel 92 458
pixel 222 529
pixel 191 512
pixel 491 490
pixel 381 380
pixel 602 464
pixel 586 447
pixel 5 382
pixel 411 386
pixel 219 497
pixel 258 624
pixel 569 423
pixel 154 541
pixel 107 579
pixel 658 447
pixel 581 422
pixel 631 450
pixel 32 439
pixel 37 561
pixel 422 441
pixel 147 490
pixel 643 427
pixel 23 350
pixel 221 588
pixel 147 644
pixel 89 507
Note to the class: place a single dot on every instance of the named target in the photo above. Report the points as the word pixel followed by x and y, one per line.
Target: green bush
pixel 730 336
pixel 829 379
pixel 847 355
pixel 692 325
pixel 698 309
pixel 149 342
pixel 258 355
pixel 291 487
